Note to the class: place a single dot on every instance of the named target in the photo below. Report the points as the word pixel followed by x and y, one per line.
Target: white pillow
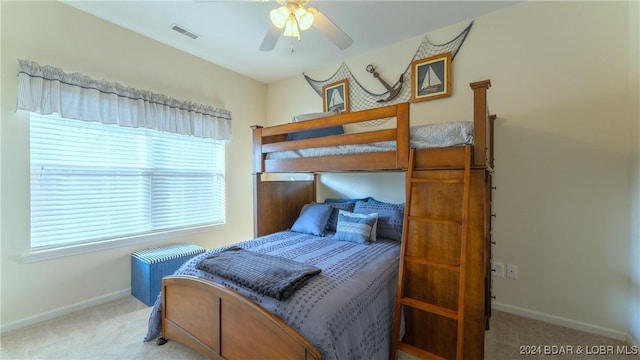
pixel 304 117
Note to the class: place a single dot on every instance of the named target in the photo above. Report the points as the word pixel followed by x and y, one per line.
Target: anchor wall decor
pixel 393 90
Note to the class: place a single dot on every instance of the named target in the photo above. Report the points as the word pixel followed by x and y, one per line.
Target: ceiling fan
pixel 292 17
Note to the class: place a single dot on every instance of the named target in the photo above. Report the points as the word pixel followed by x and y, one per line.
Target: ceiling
pixel 231 31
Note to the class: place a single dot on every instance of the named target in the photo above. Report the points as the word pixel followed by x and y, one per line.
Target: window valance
pixel 46 90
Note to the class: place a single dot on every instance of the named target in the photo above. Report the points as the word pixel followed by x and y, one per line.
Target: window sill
pixel 48 254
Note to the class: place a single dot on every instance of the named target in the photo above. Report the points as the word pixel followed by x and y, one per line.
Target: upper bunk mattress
pixel 447 134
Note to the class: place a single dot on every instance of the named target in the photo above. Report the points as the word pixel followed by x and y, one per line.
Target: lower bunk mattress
pixel 346 311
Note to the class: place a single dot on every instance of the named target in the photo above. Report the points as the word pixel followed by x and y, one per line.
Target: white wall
pixel 55 34
pixel 387 187
pixel 561 74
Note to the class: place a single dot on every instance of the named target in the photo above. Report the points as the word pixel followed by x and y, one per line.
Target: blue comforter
pixel 346 311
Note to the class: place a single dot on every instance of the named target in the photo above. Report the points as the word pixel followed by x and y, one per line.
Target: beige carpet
pixel 115 330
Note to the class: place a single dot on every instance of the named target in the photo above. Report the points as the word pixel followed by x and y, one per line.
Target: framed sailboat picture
pixel 335 96
pixel 431 78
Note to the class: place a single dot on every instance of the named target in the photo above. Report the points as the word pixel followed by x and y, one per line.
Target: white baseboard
pixel 557 320
pixel 552 319
pixel 31 320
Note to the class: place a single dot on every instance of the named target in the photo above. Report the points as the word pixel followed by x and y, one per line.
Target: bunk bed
pixel 237 325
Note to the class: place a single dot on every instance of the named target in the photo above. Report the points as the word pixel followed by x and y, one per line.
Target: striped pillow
pixel 356 228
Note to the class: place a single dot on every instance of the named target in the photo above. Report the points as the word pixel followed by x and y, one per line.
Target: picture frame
pixel 431 77
pixel 336 96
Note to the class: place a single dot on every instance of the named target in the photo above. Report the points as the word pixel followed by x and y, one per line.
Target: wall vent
pixel 183 31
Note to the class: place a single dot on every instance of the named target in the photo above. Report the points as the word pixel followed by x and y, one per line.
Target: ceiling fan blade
pixel 330 30
pixel 270 39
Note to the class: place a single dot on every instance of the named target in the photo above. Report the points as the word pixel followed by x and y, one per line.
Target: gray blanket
pixel 269 275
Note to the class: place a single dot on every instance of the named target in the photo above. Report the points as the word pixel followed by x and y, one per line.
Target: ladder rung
pixel 438 181
pixel 440 264
pixel 423 354
pixel 435 309
pixel 434 220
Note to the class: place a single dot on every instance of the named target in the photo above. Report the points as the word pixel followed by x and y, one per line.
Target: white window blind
pixel 92 182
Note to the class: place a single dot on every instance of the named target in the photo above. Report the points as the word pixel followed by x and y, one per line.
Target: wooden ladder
pixel 431 280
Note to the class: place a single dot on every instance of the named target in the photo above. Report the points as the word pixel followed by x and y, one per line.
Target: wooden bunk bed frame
pixel 234 327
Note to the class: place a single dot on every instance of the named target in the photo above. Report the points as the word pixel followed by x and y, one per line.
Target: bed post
pixel 276 203
pixel 258 158
pixel 258 166
pixel 482 127
pixel 257 210
pixel 402 135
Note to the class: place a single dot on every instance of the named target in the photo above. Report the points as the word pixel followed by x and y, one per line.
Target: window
pixel 92 182
pixel 133 163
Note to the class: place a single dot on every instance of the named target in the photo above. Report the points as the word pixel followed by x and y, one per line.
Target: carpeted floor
pixel 115 330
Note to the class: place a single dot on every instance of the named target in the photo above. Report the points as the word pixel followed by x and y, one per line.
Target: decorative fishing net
pixel 362 99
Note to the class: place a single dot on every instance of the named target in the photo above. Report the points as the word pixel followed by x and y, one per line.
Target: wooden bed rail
pixel 273 138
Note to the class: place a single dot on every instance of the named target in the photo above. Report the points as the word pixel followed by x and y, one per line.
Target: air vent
pixel 184 31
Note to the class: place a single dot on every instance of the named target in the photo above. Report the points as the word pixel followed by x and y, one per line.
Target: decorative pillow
pixel 374 229
pixel 308 134
pixel 332 224
pixel 354 227
pixel 390 217
pixel 312 219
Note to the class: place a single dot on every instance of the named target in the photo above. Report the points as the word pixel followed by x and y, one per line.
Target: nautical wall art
pixel 335 96
pixel 361 99
pixel 431 78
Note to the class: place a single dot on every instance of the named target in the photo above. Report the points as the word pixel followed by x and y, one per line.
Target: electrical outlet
pixel 512 271
pixel 497 269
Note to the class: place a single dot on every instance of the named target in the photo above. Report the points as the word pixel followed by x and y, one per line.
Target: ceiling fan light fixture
pixel 279 16
pixel 304 18
pixel 291 27
pixel 292 17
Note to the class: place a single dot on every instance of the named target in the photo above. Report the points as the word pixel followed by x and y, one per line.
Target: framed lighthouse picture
pixel 431 78
pixel 335 96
